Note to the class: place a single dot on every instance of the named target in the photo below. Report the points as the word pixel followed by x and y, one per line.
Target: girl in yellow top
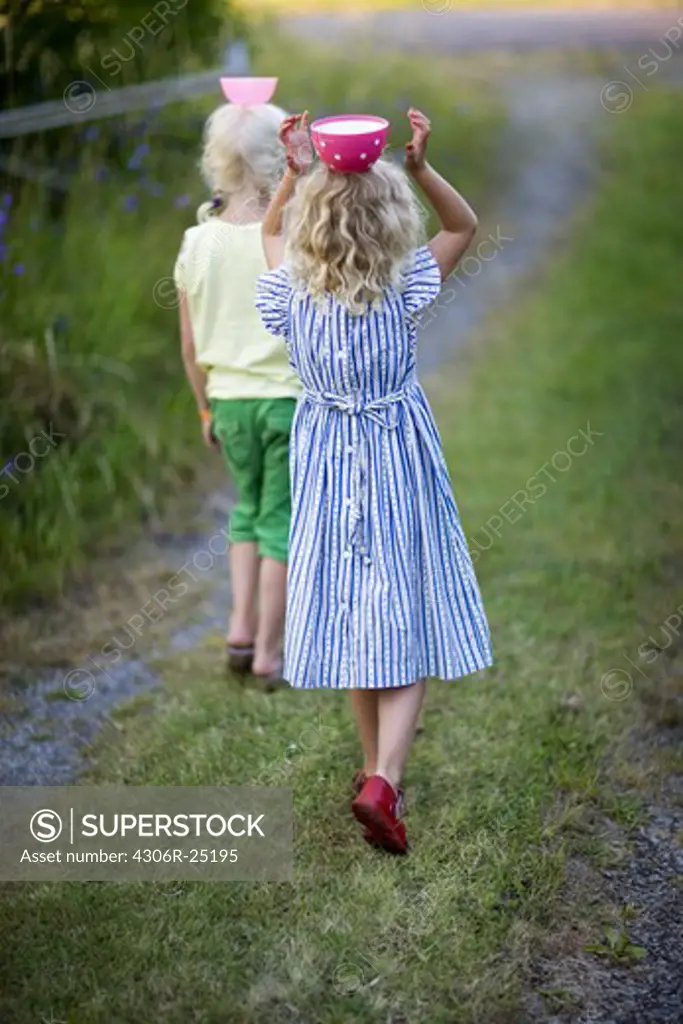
pixel 245 389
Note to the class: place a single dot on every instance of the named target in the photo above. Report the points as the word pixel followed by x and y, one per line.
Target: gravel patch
pixel 586 988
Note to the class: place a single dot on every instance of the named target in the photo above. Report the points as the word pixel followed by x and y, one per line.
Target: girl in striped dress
pixel 382 593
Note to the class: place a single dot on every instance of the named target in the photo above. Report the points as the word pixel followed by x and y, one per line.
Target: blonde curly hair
pixel 349 235
pixel 241 147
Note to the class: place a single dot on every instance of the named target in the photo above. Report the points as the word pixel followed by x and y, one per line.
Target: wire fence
pixel 83 102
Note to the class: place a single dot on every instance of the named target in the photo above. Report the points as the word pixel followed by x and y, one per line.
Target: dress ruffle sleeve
pixel 273 295
pixel 421 281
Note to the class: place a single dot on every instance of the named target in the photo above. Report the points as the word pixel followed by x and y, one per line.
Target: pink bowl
pixel 249 92
pixel 350 143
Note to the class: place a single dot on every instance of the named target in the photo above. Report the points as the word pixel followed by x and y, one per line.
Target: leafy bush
pixel 47 44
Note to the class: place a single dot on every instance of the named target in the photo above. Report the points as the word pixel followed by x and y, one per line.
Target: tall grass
pixel 89 343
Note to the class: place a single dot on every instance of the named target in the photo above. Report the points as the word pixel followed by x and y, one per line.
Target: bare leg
pixel 399 711
pixel 244 570
pixel 271 616
pixel 364 703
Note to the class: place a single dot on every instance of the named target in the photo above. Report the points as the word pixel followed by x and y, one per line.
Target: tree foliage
pixel 47 44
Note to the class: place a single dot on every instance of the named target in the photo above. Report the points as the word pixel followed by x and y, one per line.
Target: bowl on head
pixel 249 92
pixel 350 143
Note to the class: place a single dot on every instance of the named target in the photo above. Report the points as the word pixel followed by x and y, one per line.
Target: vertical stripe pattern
pixel 381 587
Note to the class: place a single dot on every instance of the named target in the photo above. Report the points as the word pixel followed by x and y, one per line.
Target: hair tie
pixel 211 208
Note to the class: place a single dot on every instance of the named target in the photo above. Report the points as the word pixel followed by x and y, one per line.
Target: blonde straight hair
pixel 241 148
pixel 349 235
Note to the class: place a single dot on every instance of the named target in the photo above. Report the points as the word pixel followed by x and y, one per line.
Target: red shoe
pixel 378 807
pixel 357 783
pixel 359 780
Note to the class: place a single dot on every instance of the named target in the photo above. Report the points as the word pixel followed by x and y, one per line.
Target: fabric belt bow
pixel 384 413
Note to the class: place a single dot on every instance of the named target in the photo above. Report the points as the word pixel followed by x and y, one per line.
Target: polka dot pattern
pixel 349 150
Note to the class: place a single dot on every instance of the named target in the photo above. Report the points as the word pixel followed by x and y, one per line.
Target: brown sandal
pixel 240 658
pixel 271 682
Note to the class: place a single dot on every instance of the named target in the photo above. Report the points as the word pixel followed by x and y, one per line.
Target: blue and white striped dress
pixel 381 587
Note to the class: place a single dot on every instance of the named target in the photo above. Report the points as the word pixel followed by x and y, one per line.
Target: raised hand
pixel 416 149
pixel 294 137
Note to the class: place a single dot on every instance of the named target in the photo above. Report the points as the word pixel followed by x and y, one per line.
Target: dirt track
pixel 438 28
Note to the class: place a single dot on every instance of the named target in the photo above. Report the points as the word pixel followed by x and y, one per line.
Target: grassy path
pixel 451 26
pixel 563 436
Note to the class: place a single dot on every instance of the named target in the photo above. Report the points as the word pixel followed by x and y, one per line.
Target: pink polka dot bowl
pixel 249 92
pixel 350 143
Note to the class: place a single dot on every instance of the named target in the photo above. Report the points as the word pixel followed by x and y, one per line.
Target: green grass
pixel 512 767
pixel 84 345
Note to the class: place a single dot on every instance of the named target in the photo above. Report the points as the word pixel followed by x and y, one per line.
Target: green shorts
pixel 254 437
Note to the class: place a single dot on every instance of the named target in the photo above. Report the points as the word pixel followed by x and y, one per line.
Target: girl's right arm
pixel 271 230
pixel 458 219
pixel 195 375
pixel 294 136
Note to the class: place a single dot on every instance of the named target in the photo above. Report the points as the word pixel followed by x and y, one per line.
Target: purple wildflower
pixel 135 162
pixel 7 200
pixel 131 203
pixel 182 201
pixel 92 133
pixel 19 269
pixel 3 218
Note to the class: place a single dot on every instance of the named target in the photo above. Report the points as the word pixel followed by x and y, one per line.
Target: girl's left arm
pixel 195 375
pixel 458 219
